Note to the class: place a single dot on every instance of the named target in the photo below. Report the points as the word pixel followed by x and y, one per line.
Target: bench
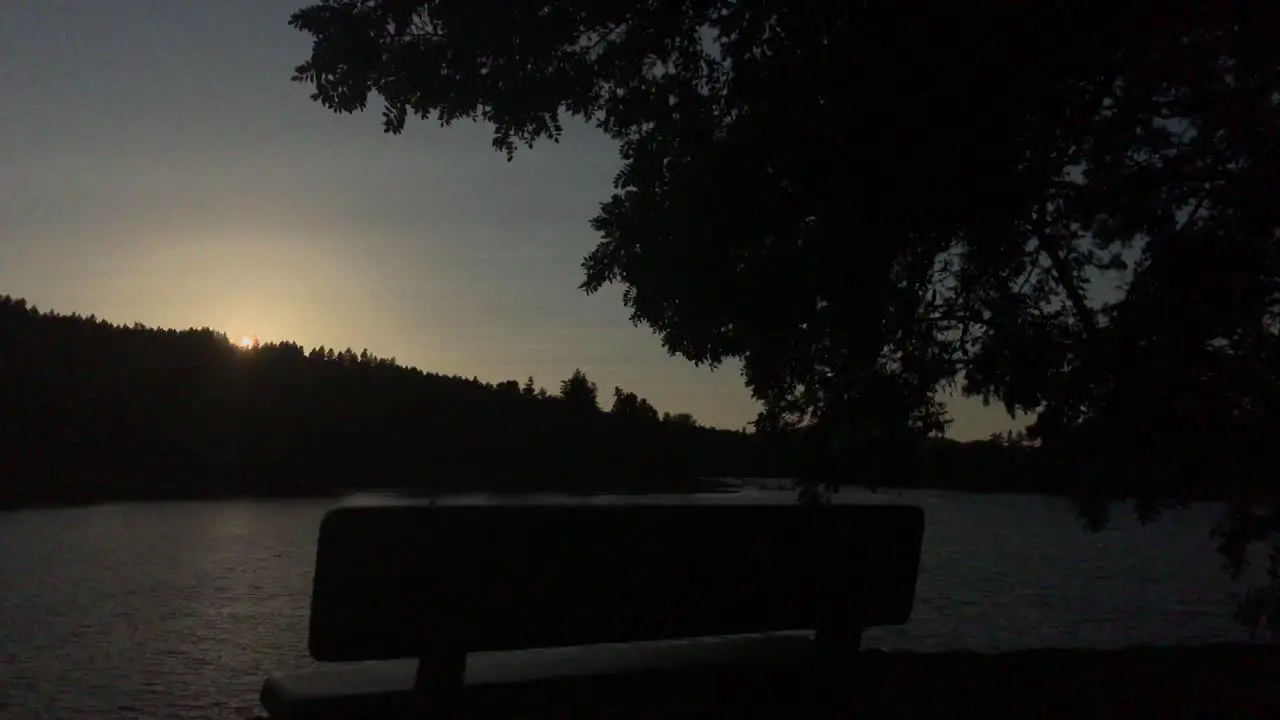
pixel 471 597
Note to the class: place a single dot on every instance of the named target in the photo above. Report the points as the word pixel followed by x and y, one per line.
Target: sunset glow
pixel 246 342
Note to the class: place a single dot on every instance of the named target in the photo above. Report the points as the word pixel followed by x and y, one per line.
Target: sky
pixel 158 166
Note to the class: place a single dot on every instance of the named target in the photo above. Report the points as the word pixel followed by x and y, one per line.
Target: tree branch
pixel 1051 244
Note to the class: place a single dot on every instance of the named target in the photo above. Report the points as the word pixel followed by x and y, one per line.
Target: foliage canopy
pixel 1067 214
pixel 1063 207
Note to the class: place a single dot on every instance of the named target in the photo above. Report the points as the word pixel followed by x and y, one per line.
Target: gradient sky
pixel 159 166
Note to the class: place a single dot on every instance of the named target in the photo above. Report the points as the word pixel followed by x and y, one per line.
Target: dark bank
pixel 98 412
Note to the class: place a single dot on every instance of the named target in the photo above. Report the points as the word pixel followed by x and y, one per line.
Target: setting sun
pixel 246 342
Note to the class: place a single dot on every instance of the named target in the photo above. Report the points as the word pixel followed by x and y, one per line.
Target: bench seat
pixel 384 689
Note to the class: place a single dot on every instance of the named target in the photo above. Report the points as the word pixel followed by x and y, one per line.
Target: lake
pixel 179 610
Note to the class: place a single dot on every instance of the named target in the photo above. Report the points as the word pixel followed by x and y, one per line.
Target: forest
pixel 92 411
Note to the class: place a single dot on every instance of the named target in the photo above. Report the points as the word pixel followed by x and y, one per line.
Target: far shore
pixel 446 487
pixel 458 484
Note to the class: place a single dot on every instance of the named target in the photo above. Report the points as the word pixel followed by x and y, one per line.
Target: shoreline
pixel 674 488
pixel 690 487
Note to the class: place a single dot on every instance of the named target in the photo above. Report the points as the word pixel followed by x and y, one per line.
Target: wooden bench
pixel 450 591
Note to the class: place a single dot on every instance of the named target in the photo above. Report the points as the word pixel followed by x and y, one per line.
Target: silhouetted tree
pixel 628 404
pixel 624 402
pixel 683 418
pixel 1088 237
pixel 579 393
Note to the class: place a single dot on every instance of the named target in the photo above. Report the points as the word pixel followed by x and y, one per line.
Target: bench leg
pixel 836 651
pixel 438 683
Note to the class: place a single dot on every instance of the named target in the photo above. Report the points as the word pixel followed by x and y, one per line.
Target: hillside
pixel 93 411
pixel 90 411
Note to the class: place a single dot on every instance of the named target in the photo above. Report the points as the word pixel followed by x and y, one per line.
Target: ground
pixel 1210 682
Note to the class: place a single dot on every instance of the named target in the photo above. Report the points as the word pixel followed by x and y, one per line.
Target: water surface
pixel 178 610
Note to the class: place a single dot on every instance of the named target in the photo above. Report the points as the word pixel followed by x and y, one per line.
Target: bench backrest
pixel 401 581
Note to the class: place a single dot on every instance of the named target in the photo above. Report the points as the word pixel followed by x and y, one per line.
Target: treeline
pixel 90 410
pixel 93 411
